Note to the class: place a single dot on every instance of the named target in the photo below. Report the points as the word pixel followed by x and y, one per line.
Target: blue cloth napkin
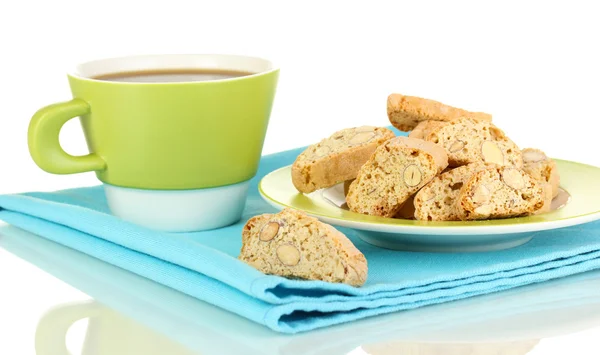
pixel 204 264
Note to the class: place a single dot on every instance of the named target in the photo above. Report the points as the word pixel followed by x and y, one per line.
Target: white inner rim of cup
pixel 101 67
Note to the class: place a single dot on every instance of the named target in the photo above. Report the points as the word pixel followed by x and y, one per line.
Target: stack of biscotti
pixel 393 174
pixel 338 158
pixel 381 173
pixel 454 165
pixel 488 175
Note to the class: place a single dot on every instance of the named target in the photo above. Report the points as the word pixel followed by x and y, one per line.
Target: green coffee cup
pixel 174 145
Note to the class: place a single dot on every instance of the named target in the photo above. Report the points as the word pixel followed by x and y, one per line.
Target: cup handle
pixel 44 146
pixel 51 331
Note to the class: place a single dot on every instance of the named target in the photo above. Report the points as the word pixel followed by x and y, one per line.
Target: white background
pixel 533 65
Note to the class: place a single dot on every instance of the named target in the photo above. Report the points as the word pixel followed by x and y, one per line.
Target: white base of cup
pixel 179 210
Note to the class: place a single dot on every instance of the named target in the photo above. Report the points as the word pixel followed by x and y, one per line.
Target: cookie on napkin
pixel 295 245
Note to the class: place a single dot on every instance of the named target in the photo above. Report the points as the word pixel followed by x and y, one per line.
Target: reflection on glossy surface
pixel 133 309
pixel 505 348
pixel 108 333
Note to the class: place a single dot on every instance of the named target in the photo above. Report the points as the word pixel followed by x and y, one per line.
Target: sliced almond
pixel 513 178
pixel 288 254
pixel 481 195
pixel 456 146
pixel 269 231
pixel 511 203
pixel 361 137
pixel 427 195
pixel 491 153
pixel 484 210
pixel 533 156
pixel 490 187
pixel 412 175
pixel 418 133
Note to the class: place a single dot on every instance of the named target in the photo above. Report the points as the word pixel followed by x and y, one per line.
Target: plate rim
pixel 514 228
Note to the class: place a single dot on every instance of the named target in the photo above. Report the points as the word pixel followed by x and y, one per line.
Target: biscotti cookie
pixel 293 244
pixel 470 141
pixel 337 158
pixel 405 112
pixel 547 207
pixel 499 192
pixel 423 129
pixel 436 201
pixel 542 168
pixel 397 170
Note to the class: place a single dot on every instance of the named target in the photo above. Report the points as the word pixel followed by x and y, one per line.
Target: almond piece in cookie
pixel 542 168
pixel 292 244
pixel 471 141
pixel 396 171
pixel 499 192
pixel 423 129
pixel 337 158
pixel 436 201
pixel 405 112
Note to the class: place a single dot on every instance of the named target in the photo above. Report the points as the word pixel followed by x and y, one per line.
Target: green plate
pixel 580 181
